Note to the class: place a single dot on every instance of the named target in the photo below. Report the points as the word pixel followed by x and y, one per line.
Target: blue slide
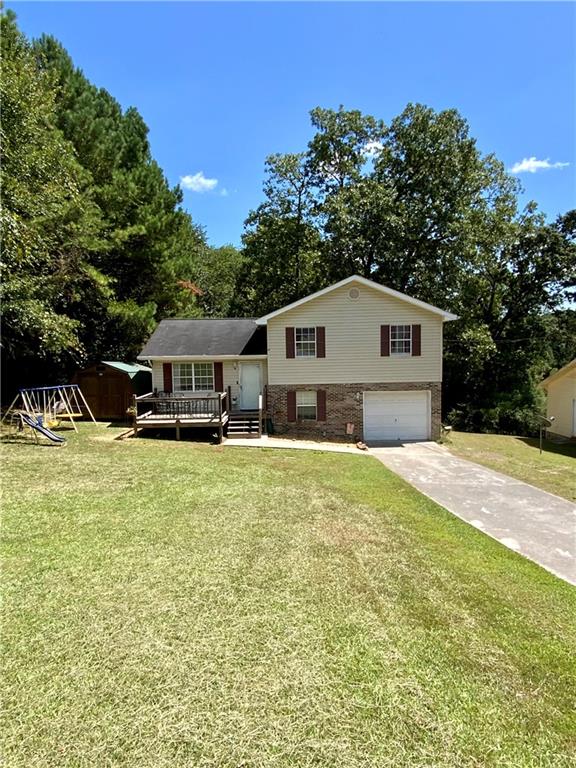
pixel 37 425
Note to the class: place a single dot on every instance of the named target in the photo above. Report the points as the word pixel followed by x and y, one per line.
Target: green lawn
pixel 554 470
pixel 176 604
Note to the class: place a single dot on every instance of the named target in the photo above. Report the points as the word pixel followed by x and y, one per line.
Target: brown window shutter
pixel 417 340
pixel 321 405
pixel 320 341
pixel 290 346
pixel 218 377
pixel 167 374
pixel 291 405
pixel 384 340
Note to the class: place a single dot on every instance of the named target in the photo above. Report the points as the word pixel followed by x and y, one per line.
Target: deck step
pixel 243 424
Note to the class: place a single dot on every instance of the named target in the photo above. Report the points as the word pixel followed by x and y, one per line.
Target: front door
pixel 249 386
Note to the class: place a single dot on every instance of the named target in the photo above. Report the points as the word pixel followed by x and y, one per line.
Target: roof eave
pixel 166 358
pixel 558 374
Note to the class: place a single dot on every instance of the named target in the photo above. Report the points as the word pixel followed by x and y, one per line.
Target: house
pixel 561 401
pixel 109 387
pixel 356 360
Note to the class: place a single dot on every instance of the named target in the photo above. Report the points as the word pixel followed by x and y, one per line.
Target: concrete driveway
pixel 530 521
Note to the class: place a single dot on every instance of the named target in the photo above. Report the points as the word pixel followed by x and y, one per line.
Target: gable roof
pixel 368 283
pixel 216 337
pixel 559 374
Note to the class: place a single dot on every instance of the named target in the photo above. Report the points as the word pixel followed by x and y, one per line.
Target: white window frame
pixel 311 396
pixel 401 335
pixel 309 343
pixel 192 376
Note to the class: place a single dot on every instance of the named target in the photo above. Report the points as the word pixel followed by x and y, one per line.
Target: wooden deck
pixel 153 411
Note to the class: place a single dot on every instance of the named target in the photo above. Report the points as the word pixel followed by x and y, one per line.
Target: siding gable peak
pixel 446 316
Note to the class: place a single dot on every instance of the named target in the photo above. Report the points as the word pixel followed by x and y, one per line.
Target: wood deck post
pixel 135 416
pixel 177 429
pixel 220 426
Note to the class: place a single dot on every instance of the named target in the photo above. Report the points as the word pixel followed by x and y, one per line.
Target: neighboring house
pixel 355 360
pixel 561 401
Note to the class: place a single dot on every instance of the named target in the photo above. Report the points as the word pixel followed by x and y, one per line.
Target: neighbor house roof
pixel 370 284
pixel 559 374
pixel 222 337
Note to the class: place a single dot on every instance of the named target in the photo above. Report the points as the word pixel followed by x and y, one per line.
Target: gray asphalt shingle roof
pixel 211 338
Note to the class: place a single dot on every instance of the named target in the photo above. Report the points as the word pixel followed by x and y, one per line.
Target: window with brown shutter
pixel 321 405
pixel 416 340
pixel 290 347
pixel 218 377
pixel 400 339
pixel 305 341
pixel 167 376
pixel 306 405
pixel 291 405
pixel 320 341
pixel 193 377
pixel 384 340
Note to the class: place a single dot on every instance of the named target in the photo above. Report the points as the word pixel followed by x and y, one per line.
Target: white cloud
pixel 531 165
pixel 224 192
pixel 198 182
pixel 372 149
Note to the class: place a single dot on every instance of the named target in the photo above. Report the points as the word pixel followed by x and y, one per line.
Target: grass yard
pixel 176 604
pixel 553 471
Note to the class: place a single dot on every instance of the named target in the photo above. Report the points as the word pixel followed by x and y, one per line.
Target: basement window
pixel 306 405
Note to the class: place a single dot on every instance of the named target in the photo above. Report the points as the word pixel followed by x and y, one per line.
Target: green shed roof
pixel 132 369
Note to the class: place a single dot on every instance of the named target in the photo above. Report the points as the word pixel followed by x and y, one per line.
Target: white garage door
pixel 396 416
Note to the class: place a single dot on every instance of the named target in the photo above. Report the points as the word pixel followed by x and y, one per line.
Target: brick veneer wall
pixel 342 407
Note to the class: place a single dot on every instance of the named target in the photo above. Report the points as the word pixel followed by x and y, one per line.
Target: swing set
pixel 50 405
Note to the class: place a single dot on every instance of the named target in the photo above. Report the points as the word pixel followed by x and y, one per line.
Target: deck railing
pixel 180 407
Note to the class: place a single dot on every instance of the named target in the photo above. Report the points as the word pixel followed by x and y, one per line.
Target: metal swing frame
pixel 64 401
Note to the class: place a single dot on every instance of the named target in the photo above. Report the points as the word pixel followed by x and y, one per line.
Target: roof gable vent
pixel 354 294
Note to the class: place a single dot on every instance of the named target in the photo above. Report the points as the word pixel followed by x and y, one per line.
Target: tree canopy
pixel 416 206
pixel 97 247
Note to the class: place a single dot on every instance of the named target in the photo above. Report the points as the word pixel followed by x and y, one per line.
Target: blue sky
pixel 222 85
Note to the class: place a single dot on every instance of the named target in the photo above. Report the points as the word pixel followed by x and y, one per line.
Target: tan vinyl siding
pixel 561 394
pixel 231 374
pixel 353 340
pixel 157 377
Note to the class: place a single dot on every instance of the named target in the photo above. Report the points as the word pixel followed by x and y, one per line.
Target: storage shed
pixel 109 386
